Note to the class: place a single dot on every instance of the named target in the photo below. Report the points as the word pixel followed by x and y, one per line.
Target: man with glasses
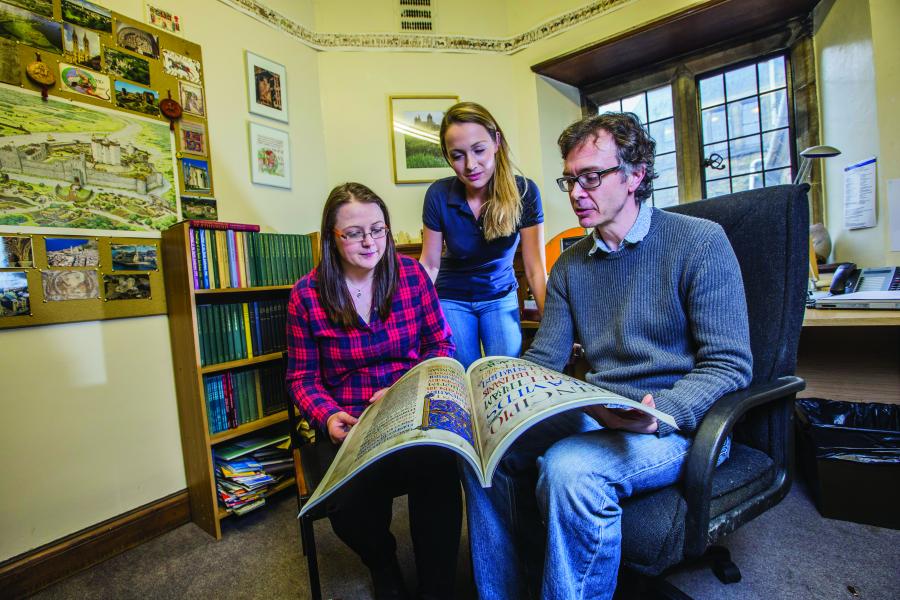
pixel 657 302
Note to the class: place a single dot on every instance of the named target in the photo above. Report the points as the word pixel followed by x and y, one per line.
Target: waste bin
pixel 850 456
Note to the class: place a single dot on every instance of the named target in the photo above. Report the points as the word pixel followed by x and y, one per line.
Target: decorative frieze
pixel 425 42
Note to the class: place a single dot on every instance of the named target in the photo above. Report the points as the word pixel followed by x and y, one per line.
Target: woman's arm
pixel 432 246
pixel 533 257
pixel 303 378
pixel 434 332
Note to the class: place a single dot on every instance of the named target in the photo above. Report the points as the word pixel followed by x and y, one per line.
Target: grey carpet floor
pixel 788 552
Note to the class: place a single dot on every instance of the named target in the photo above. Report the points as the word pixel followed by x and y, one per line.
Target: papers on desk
pixel 863 300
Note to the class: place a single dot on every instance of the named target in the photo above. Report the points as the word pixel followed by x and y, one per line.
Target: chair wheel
pixel 718 553
pixel 726 571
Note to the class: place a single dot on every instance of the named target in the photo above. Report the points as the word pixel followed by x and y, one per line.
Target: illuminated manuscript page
pixel 428 405
pixel 509 395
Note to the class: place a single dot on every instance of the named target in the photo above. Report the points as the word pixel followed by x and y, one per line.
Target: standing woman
pixel 480 214
pixel 360 320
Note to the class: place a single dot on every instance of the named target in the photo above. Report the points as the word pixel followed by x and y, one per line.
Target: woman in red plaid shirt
pixel 362 318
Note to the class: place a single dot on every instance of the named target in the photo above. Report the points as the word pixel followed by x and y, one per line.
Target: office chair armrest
pixel 717 424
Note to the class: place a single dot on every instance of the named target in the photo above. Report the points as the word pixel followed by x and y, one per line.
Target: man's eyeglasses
pixel 355 234
pixel 588 180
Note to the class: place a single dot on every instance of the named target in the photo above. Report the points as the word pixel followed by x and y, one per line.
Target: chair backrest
pixel 561 241
pixel 769 231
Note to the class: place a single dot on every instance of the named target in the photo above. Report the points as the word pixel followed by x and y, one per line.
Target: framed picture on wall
pixel 267 88
pixel 415 123
pixel 270 156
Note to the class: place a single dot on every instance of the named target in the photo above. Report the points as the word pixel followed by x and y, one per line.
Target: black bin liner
pixel 865 432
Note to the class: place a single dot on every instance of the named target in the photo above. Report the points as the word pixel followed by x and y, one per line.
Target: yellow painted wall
pixel 885 17
pixel 355 105
pixel 89 427
pixel 856 53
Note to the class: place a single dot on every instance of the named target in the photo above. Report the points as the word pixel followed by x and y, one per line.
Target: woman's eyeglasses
pixel 588 180
pixel 357 235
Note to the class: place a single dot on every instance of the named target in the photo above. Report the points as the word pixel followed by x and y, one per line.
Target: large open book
pixel 477 413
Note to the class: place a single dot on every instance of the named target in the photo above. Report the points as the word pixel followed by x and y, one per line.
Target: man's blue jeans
pixel 572 474
pixel 493 324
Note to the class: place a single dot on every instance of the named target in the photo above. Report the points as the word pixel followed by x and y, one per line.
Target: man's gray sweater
pixel 665 316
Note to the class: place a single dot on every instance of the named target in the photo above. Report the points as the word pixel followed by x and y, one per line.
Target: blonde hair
pixel 503 208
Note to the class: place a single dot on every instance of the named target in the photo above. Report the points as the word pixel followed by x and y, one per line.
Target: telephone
pixel 847 279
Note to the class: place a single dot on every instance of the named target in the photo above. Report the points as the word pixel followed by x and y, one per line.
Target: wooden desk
pixel 831 317
pixel 851 355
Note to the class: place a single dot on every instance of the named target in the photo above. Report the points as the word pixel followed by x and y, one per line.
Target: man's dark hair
pixel 634 146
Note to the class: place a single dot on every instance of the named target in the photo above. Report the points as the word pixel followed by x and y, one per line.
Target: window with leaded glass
pixel 745 127
pixel 654 109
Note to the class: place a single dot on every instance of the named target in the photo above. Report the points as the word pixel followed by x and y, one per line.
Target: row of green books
pixel 236 397
pixel 225 258
pixel 241 330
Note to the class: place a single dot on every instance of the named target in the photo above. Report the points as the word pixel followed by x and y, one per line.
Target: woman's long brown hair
pixel 333 291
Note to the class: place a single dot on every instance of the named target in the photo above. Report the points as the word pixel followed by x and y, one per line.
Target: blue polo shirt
pixel 472 269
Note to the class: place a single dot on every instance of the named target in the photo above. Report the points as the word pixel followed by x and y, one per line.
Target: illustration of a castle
pixel 104 165
pixel 428 124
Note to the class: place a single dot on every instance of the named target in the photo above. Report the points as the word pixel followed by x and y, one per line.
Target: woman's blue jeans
pixel 493 324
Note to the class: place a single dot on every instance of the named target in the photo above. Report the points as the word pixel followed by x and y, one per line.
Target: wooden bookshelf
pixel 242 363
pixel 260 423
pixel 196 438
pixel 247 290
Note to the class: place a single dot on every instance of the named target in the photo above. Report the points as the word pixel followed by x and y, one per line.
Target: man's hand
pixel 339 425
pixel 378 395
pixel 626 418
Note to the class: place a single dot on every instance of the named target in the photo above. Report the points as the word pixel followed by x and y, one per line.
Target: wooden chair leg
pixel 307 535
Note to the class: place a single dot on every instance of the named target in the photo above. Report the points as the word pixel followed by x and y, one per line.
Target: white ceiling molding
pixel 425 42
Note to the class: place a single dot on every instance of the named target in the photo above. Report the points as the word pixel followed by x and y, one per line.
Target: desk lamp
pixel 806 159
pixel 819 238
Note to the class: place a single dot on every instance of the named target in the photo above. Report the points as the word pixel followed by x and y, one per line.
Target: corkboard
pixel 112 301
pixel 160 81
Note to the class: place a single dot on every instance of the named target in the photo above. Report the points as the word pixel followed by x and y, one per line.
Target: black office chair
pixel 769 231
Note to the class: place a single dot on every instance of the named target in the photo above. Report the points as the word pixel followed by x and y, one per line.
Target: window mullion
pixel 688 143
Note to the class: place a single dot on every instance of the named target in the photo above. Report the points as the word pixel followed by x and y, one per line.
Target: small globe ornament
pixel 821 241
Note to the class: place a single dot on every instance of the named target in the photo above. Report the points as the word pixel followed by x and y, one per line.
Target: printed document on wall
pixel 859 195
pixel 893 198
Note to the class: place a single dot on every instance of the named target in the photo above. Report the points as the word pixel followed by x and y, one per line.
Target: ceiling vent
pixel 416 16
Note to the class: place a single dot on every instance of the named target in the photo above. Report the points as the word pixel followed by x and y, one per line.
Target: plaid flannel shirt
pixel 332 368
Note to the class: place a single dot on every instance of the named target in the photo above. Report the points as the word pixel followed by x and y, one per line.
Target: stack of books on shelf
pixel 246 470
pixel 235 255
pixel 235 397
pixel 241 330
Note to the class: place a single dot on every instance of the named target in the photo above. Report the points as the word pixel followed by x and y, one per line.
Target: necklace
pixel 358 292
